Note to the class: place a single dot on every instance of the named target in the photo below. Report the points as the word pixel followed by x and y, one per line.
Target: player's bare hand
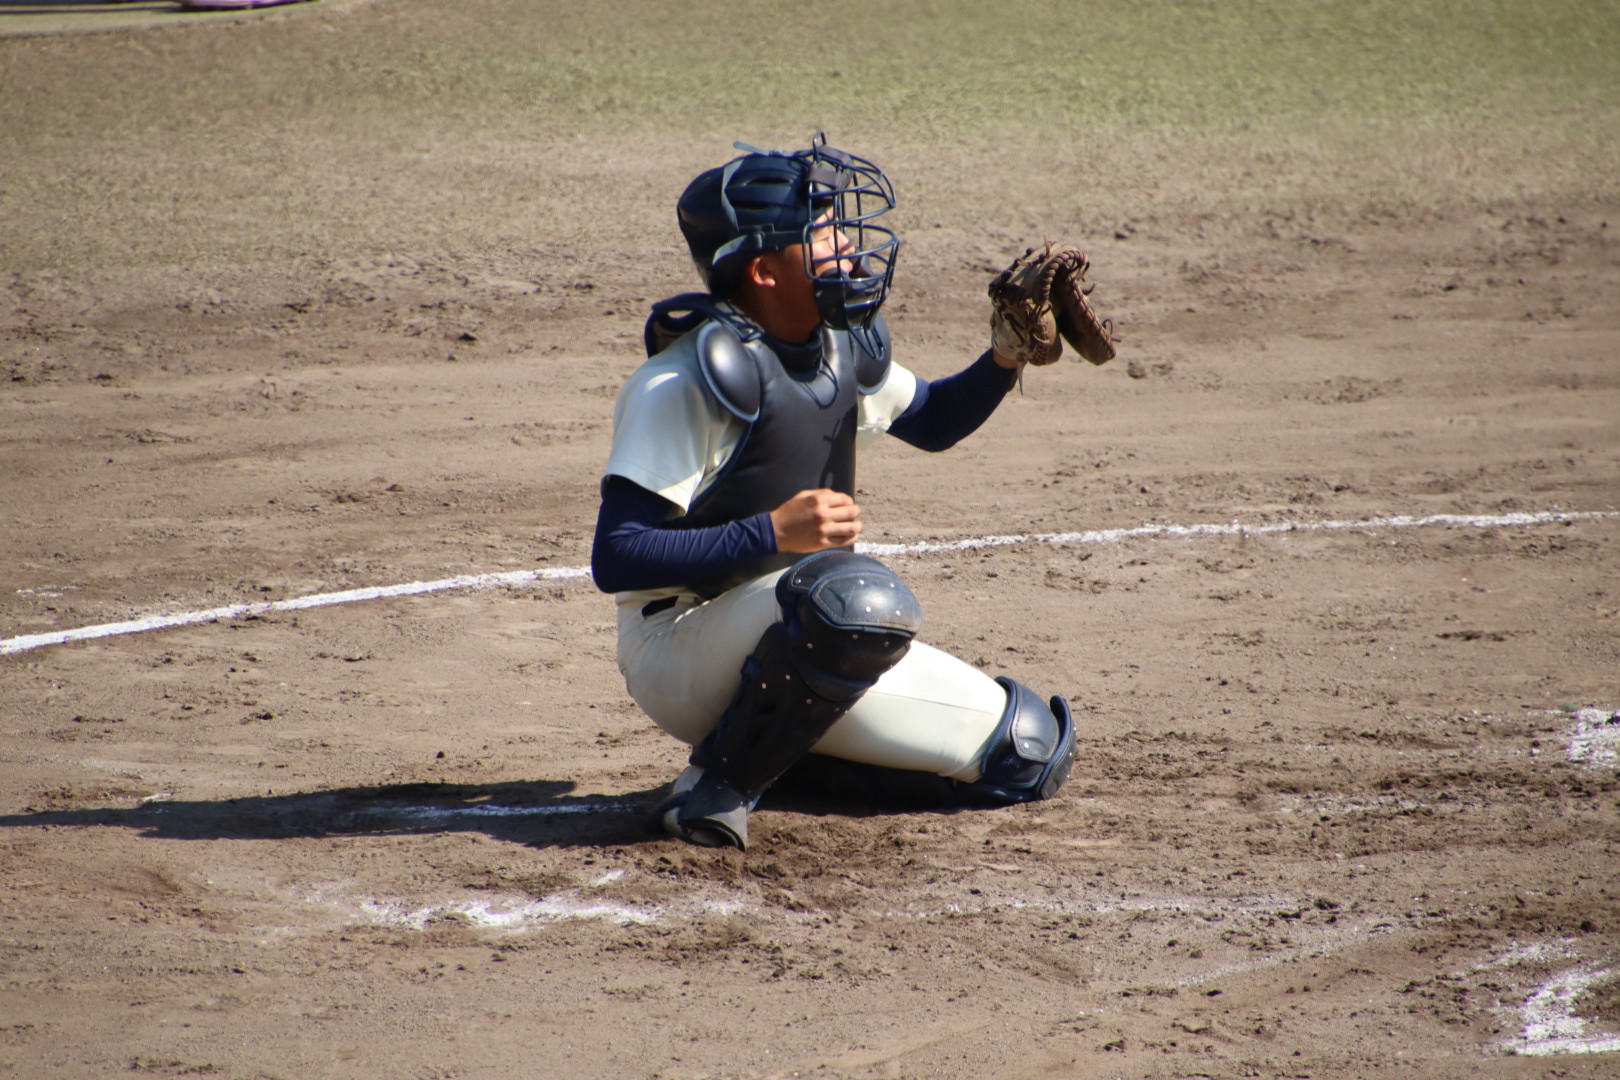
pixel 815 521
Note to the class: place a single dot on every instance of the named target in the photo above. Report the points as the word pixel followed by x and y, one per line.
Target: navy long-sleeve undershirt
pixel 636 548
pixel 945 411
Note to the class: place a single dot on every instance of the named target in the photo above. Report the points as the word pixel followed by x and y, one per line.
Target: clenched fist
pixel 815 521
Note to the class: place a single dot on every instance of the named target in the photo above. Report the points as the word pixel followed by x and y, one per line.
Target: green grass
pixel 212 141
pixel 1189 67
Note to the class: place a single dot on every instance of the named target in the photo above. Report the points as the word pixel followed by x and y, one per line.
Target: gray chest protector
pixel 801 412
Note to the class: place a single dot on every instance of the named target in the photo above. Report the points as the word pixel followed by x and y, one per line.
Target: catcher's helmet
pixel 767 200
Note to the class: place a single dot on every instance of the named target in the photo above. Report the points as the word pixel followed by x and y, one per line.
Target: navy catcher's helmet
pixel 767 200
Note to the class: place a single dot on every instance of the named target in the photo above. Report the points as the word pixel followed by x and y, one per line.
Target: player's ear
pixel 761 271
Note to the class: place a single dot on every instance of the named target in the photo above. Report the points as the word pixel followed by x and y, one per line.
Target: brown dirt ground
pixel 1329 817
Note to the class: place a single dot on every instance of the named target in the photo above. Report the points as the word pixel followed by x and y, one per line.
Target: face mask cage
pixel 847 195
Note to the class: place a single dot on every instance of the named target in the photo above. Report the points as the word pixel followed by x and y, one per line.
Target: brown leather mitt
pixel 1091 337
pixel 1041 297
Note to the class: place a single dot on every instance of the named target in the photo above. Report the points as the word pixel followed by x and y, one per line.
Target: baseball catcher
pixel 749 627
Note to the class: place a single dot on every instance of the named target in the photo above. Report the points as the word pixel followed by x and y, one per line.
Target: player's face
pixel 822 255
pixel 794 268
pixel 792 312
pixel 828 245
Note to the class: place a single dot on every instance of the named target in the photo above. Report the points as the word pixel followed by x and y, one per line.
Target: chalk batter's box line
pixel 529 577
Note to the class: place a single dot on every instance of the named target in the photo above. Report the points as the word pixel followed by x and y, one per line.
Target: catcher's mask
pixel 767 200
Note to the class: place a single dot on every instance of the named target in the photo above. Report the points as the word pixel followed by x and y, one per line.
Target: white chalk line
pixel 528 577
pixel 1180 532
pixel 266 607
pixel 512 913
pixel 494 915
pixel 435 814
pixel 1550 1024
pixel 1594 740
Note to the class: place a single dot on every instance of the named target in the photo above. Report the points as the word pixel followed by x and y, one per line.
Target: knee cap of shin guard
pixel 1031 752
pixel 850 592
pixel 849 616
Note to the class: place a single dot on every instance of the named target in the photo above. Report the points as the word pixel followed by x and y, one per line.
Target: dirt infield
pixel 1326 559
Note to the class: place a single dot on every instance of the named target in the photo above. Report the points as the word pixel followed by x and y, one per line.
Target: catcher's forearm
pixel 945 411
pixel 634 550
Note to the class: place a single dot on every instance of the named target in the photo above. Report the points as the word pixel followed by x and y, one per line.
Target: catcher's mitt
pixel 1043 295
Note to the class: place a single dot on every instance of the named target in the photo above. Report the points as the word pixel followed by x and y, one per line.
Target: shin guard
pixel 846 620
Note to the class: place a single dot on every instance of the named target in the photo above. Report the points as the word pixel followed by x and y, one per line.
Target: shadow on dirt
pixel 536 813
pixel 540 813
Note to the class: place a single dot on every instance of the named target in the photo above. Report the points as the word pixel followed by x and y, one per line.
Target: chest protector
pixel 801 416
